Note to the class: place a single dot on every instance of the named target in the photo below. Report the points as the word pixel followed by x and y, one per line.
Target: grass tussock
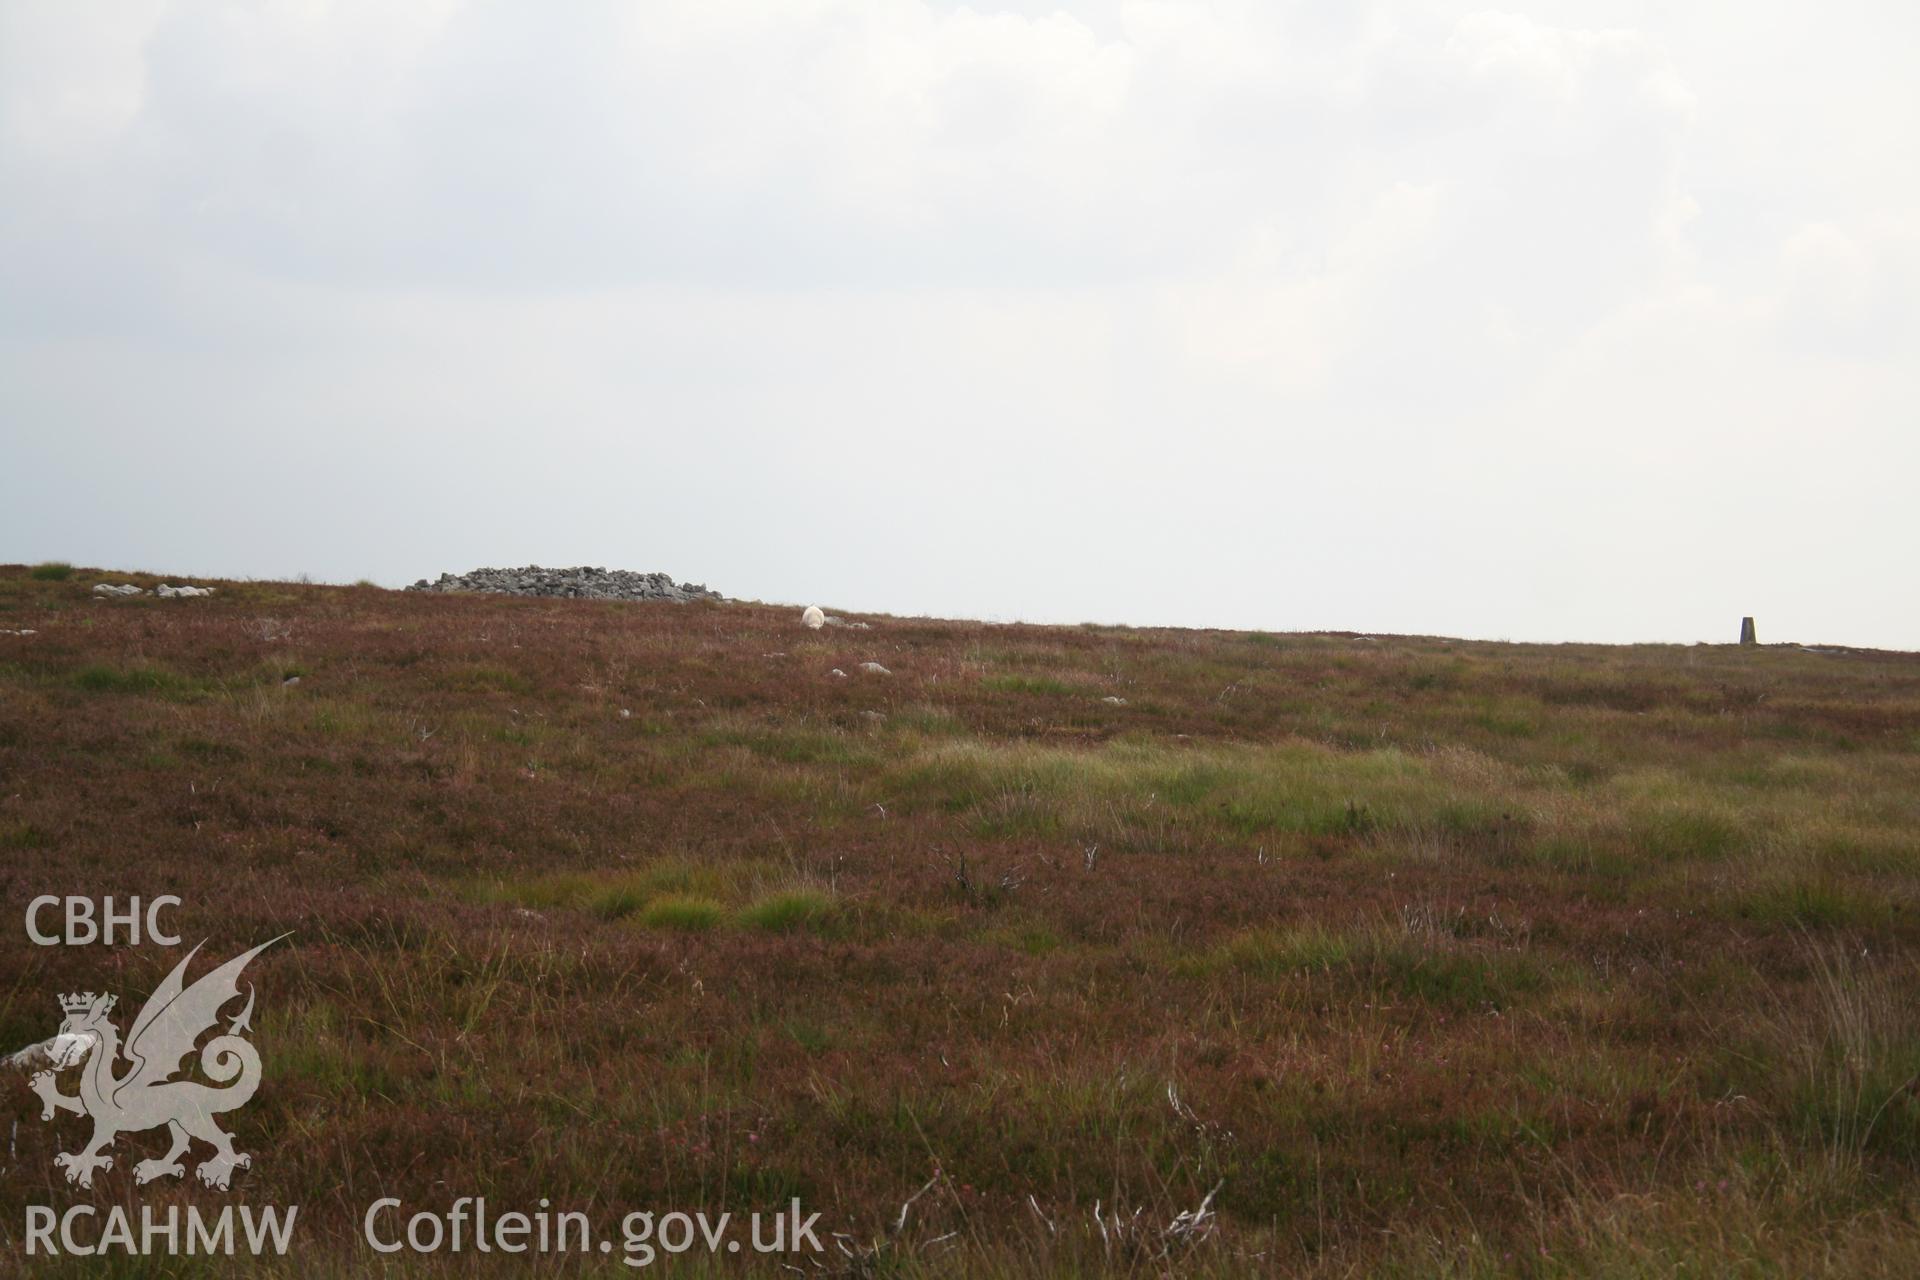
pixel 683 912
pixel 1848 1056
pixel 791 911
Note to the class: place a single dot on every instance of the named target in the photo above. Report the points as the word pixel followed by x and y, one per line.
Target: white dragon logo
pixel 145 1097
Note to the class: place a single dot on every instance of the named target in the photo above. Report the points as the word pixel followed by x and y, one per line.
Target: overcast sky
pixel 1560 321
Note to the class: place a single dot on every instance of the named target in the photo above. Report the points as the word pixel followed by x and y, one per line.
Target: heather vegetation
pixel 1418 956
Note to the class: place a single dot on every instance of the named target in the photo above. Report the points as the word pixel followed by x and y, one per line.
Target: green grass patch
pixel 791 744
pixel 810 1036
pixel 24 835
pixel 683 912
pixel 932 722
pixel 1030 937
pixel 1129 792
pixel 1509 719
pixel 791 911
pixel 1812 902
pixel 617 894
pixel 1383 960
pixel 51 571
pixel 1687 835
pixel 136 680
pixel 1274 953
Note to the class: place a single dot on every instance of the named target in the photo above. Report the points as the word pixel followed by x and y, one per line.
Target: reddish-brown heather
pixel 1458 957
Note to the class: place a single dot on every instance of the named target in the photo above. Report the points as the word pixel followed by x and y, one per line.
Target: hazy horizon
pixel 855 608
pixel 1568 321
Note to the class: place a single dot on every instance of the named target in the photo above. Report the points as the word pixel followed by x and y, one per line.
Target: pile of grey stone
pixel 581 582
pixel 165 591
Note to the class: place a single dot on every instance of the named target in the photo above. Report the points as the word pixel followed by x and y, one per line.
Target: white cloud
pixel 1454 297
pixel 68 80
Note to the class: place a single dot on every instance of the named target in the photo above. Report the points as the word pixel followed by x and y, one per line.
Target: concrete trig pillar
pixel 1747 635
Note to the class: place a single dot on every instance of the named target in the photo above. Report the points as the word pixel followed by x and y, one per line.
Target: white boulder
pixel 814 616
